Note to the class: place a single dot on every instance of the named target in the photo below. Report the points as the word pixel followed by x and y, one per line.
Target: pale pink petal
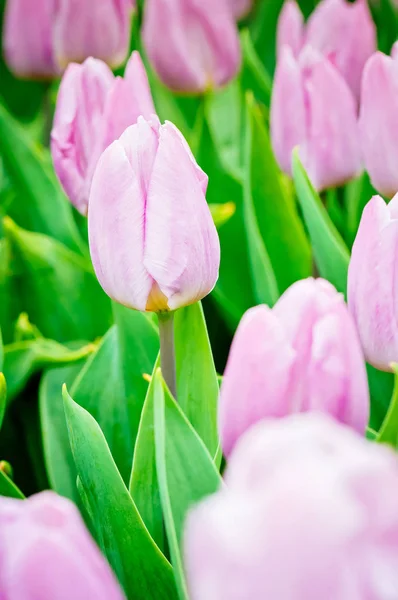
pixel 257 376
pixel 378 122
pixel 290 30
pixel 117 220
pixel 182 251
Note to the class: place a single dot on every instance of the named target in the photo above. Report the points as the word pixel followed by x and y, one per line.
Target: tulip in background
pixel 313 108
pixel 240 8
pixel 378 121
pixel 153 242
pixel 41 37
pixel 309 513
pixel 340 30
pixel 193 46
pixel 47 553
pixel 372 287
pixel 93 110
pixel 303 355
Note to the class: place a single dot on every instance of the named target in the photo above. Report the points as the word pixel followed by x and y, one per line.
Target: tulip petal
pixel 290 30
pixel 288 115
pixel 372 281
pixel 182 250
pixel 257 376
pixel 345 31
pixel 331 152
pixel 378 122
pixel 28 39
pixel 78 124
pixel 116 219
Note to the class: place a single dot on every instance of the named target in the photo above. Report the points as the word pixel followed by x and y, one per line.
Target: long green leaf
pixel 8 487
pixel 197 383
pixel 330 252
pixel 3 398
pixel 185 471
pixel 141 568
pixel 40 204
pixel 388 433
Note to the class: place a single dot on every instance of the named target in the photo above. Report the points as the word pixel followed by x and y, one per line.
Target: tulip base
pixel 167 350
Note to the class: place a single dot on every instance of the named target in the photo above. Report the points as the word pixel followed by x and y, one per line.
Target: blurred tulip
pixel 313 108
pixel 378 121
pixel 372 277
pixel 308 512
pixel 153 242
pixel 42 37
pixel 47 553
pixel 342 31
pixel 93 110
pixel 192 45
pixel 303 355
pixel 240 8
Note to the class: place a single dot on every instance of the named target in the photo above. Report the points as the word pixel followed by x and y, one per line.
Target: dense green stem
pixel 167 352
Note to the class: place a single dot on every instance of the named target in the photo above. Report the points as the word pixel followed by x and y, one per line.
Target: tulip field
pixel 199 300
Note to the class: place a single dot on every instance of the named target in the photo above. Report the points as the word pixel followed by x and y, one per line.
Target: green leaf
pixel 330 252
pixel 58 288
pixel 23 359
pixel 40 204
pixel 8 487
pixel 221 213
pixel 60 466
pixel 197 383
pixel 388 433
pixel 144 487
pixel 185 470
pixel 1 352
pixel 234 290
pixel 10 301
pixel 141 568
pixel 274 210
pixel 263 31
pixel 381 386
pixel 3 398
pixel 253 75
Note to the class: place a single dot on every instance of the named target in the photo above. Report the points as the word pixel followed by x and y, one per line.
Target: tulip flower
pixel 192 45
pixel 153 242
pixel 372 275
pixel 340 30
pixel 308 512
pixel 47 553
pixel 303 355
pixel 313 108
pixel 93 110
pixel 378 121
pixel 240 8
pixel 42 37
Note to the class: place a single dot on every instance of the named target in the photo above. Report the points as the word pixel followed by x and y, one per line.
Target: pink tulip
pixel 192 45
pixel 340 30
pixel 240 8
pixel 303 355
pixel 93 110
pixel 46 553
pixel 41 37
pixel 313 108
pixel 309 512
pixel 153 242
pixel 372 276
pixel 378 122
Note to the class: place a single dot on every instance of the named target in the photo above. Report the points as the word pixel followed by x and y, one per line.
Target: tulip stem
pixel 167 350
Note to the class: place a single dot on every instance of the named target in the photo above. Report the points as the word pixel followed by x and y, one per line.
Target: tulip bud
pixel 313 108
pixel 372 274
pixel 303 355
pixel 378 122
pixel 93 109
pixel 47 553
pixel 290 29
pixel 240 8
pixel 342 31
pixel 153 242
pixel 308 512
pixel 42 37
pixel 192 45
